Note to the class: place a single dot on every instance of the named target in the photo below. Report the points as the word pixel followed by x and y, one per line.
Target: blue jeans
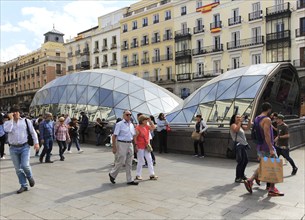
pixel 47 148
pixel 74 140
pixel 242 161
pixel 21 160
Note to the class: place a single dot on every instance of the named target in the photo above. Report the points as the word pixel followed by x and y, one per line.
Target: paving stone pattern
pixel 187 188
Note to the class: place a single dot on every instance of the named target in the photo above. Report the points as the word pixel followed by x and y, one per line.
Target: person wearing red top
pixel 142 139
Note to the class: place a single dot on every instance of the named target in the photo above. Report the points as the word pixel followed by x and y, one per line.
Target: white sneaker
pixel 69 151
pixel 2 158
pixel 80 151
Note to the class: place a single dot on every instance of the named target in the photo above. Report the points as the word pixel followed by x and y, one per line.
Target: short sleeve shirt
pixel 282 130
pixel 143 137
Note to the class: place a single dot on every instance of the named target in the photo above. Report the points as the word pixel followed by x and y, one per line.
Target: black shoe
pixel 49 161
pixel 238 180
pixel 62 159
pixel 133 183
pixel 111 179
pixel 40 159
pixel 31 181
pixel 294 171
pixel 22 189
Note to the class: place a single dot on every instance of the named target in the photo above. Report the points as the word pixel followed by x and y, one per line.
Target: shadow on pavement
pixel 7 194
pixel 217 192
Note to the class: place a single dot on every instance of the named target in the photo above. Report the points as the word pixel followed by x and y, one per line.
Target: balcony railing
pixel 214 25
pixel 114 62
pixel 124 30
pixel 43 71
pixel 207 74
pixel 234 20
pixel 134 44
pixel 114 46
pixel 255 15
pixel 96 50
pixel 208 49
pixel 96 66
pixel 167 37
pixel 156 21
pixel 155 39
pixel 145 61
pixel 183 53
pixel 300 32
pixel 70 55
pixel 77 52
pixel 124 47
pixel 104 64
pixel 183 13
pixel 162 58
pixel 245 42
pixel 300 4
pixel 183 33
pixel 86 51
pixel 85 64
pixel 184 76
pixel 58 72
pixel 144 42
pixel 278 35
pixel 278 9
pixel 299 63
pixel 105 48
pixel 168 18
pixel 234 68
pixel 130 64
pixel 199 29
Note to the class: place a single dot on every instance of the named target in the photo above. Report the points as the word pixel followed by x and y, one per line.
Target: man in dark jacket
pixel 84 122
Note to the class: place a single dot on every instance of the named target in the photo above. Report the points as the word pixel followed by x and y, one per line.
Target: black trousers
pixel 200 143
pixel 242 160
pixel 62 148
pixel 162 136
pixel 2 142
pixel 285 154
pixel 82 132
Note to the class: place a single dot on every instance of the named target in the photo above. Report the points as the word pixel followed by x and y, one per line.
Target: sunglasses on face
pixel 128 114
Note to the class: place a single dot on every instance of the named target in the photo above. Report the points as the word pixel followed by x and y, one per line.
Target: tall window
pixel 200 68
pixel 146 75
pixel 169 73
pixel 183 10
pixel 235 62
pixel 198 3
pixel 134 25
pixel 256 6
pixel 157 55
pixel 199 44
pixel 125 28
pixel 236 38
pixel 157 74
pixel 145 22
pixel 168 15
pixel 256 58
pixel 256 34
pixel 235 14
pixel 199 23
pixel 216 43
pixel 156 18
pixel 216 66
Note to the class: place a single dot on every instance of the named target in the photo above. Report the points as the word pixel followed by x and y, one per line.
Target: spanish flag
pixel 207 8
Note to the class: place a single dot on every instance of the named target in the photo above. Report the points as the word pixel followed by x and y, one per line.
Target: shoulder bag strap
pixel 27 126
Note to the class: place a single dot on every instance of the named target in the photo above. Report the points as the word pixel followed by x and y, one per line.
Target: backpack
pixel 256 134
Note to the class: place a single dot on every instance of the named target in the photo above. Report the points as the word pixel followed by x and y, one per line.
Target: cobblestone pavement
pixel 187 188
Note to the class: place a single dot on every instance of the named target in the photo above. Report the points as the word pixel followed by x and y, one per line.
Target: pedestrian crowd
pixel 131 142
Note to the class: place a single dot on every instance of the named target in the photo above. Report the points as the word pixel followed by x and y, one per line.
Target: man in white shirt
pixel 16 128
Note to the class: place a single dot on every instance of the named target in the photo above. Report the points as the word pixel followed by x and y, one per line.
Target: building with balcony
pixel 147 42
pixel 26 74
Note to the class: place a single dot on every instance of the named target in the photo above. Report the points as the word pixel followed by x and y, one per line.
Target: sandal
pixel 139 178
pixel 153 177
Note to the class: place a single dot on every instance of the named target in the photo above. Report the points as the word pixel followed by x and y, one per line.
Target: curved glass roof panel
pixel 110 91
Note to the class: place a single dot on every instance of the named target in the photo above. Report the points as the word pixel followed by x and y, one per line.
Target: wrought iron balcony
pixel 184 76
pixel 96 66
pixel 282 35
pixel 183 53
pixel 70 55
pixel 134 44
pixel 86 51
pixel 58 72
pixel 199 29
pixel 105 48
pixel 208 49
pixel 124 47
pixel 124 30
pixel 167 37
pixel 114 46
pixel 162 58
pixel 245 42
pixel 300 4
pixel 144 24
pixel 184 33
pixel 207 74
pixel 104 64
pixel 114 62
pixel 168 18
pixel 234 20
pixel 43 71
pixel 300 32
pixel 281 9
pixel 77 52
pixel 145 61
pixel 255 15
pixel 156 21
pixel 85 64
pixel 144 42
pixel 214 25
pixel 155 39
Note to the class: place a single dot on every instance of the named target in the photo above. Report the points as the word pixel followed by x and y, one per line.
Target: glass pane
pixel 134 102
pixel 105 79
pixel 153 109
pixel 73 79
pixel 230 93
pixel 189 113
pixel 139 95
pixel 61 92
pixel 157 104
pixel 205 90
pixel 142 108
pixel 180 117
pixel 106 98
pixel 248 81
pixel 81 94
pixel 117 97
pixel 95 97
pixel 109 84
pixel 95 79
pixel 224 85
pixel 124 104
pixel 133 87
pixel 149 95
pixel 171 117
pixel 194 100
pixel 252 91
pixel 83 78
pixel 211 95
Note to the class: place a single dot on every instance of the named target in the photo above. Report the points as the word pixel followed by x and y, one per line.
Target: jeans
pixel 74 140
pixel 62 148
pixel 162 135
pixel 201 147
pixel 242 161
pixel 285 154
pixel 47 148
pixel 21 160
pixel 99 138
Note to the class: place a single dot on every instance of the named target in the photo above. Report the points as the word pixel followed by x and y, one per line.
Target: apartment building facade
pixel 26 74
pixel 147 42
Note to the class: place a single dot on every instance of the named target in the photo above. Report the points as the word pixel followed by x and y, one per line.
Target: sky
pixel 24 23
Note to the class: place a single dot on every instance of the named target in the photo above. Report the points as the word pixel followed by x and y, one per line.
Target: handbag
pixel 270 170
pixel 30 138
pixel 195 136
pixel 149 148
pixel 168 128
pixel 231 149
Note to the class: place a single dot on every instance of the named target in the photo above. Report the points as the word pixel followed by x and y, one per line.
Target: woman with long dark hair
pixel 162 133
pixel 241 145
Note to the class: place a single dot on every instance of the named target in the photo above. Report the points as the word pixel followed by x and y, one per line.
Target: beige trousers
pixel 124 155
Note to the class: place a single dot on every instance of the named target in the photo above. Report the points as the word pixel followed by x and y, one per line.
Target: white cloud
pixel 14 51
pixel 8 27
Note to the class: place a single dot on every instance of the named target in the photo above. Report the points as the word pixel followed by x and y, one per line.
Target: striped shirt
pixel 62 132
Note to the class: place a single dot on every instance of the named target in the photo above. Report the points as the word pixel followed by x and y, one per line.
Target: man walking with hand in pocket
pixel 16 129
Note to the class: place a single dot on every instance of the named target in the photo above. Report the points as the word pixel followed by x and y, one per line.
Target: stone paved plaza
pixel 187 188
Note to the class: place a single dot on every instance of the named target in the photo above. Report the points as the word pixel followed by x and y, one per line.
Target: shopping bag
pixel 195 135
pixel 271 170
